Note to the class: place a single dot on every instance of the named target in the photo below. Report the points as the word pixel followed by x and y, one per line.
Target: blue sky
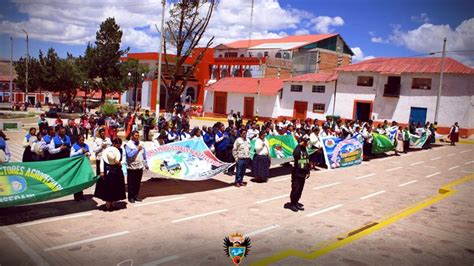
pixel 372 28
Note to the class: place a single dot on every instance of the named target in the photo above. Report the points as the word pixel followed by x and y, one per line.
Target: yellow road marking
pixel 344 239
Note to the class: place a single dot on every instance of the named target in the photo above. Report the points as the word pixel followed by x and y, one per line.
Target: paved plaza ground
pixel 395 210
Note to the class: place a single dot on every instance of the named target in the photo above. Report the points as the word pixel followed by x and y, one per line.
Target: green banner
pixel 418 141
pixel 24 183
pixel 281 148
pixel 382 143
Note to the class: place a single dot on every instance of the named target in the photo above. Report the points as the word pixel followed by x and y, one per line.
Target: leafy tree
pixel 104 58
pixel 34 74
pixel 184 31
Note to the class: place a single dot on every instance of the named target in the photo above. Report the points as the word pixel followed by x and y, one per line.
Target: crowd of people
pixel 230 143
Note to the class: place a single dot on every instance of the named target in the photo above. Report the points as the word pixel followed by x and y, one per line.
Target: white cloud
pixel 422 18
pixel 429 38
pixel 377 40
pixel 75 23
pixel 325 24
pixel 302 32
pixel 359 55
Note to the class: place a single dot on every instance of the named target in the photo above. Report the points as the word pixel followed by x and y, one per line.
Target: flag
pixel 187 160
pixel 24 183
pixel 382 143
pixel 281 148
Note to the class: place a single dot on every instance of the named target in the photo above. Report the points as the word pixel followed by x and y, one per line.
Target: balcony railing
pixel 391 90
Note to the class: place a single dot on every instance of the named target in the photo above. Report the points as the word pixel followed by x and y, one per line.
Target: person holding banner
pixel 5 154
pixel 299 175
pixel 27 153
pixel 136 163
pixel 261 160
pixel 80 148
pixel 454 134
pixel 60 146
pixel 47 140
pixel 222 138
pixel 368 137
pixel 111 185
pixel 241 153
pixel 99 145
pixel 406 139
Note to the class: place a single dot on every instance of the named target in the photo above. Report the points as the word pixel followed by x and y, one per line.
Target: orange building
pixel 273 58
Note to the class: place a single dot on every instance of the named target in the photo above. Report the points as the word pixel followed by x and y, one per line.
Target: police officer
pixel 299 174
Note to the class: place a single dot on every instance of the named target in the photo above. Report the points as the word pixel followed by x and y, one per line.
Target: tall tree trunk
pixel 102 97
pixel 172 99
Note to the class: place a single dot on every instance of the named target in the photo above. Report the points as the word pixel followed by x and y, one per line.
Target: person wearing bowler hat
pixel 300 173
pixel 111 185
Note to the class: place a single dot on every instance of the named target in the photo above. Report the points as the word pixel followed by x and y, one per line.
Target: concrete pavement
pixel 184 223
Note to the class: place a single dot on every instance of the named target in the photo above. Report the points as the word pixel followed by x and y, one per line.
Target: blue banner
pixel 342 152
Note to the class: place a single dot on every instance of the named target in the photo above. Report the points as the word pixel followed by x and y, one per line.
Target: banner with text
pixel 187 160
pixel 342 153
pixel 24 183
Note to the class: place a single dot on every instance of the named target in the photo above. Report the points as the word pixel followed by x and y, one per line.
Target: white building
pixel 249 96
pixel 310 95
pixel 405 90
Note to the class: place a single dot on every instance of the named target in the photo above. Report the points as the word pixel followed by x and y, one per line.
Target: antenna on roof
pixel 250 27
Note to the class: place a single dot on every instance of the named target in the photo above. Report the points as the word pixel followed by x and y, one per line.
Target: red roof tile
pixel 268 86
pixel 408 65
pixel 298 38
pixel 315 77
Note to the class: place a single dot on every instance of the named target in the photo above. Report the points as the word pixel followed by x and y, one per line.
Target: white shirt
pixel 97 146
pixel 252 133
pixel 262 147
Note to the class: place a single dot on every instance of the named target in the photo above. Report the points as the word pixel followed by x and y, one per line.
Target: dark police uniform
pixel 300 171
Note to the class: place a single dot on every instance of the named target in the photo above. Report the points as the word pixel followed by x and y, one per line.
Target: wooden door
pixel 300 109
pixel 220 102
pixel 248 107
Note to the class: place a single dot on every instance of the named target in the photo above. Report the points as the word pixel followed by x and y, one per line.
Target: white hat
pixel 3 157
pixel 32 140
pixel 111 155
pixel 36 148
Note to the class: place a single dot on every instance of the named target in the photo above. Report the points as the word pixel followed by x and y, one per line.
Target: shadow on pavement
pixel 166 187
pixel 33 212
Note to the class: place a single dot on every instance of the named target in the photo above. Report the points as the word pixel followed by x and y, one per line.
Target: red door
pixel 248 107
pixel 299 110
pixel 220 102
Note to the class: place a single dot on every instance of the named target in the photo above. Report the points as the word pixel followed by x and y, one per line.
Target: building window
pixel 236 73
pixel 286 55
pixel 318 107
pixel 247 73
pixel 215 74
pixel 242 55
pixel 224 73
pixel 421 83
pixel 281 94
pixel 278 55
pixel 296 88
pixel 319 88
pixel 366 81
pixel 190 94
pixel 230 54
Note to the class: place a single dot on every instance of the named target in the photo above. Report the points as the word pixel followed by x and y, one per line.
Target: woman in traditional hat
pixel 111 185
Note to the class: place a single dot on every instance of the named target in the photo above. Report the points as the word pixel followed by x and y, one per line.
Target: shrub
pixel 108 109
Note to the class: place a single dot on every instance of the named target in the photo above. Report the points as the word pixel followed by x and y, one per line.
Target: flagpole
pixel 160 56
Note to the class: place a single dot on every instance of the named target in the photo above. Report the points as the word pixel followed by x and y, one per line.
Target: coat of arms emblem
pixel 236 246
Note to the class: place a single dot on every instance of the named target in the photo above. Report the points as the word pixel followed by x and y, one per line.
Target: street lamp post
pixel 27 62
pixel 11 71
pixel 86 85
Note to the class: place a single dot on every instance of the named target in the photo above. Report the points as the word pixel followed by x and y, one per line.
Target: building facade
pixel 405 90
